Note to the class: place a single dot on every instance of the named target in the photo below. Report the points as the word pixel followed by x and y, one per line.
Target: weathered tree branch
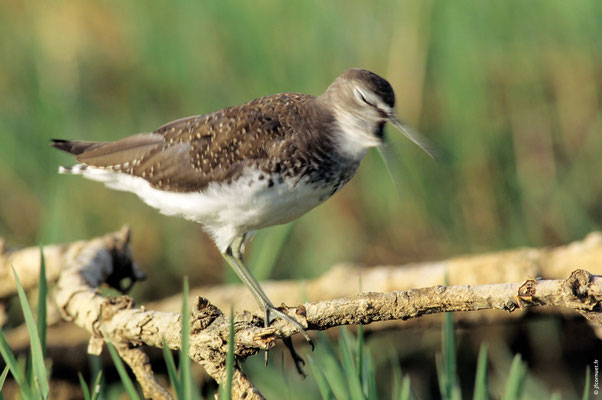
pixel 139 363
pixel 496 267
pixel 108 259
pixel 26 262
pixel 581 292
pixel 128 327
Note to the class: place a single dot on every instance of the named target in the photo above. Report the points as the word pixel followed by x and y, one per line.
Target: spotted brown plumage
pixel 185 155
pixel 262 163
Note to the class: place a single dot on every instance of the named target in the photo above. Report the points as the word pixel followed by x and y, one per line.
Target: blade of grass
pixel 22 362
pixel 42 298
pixel 405 388
pixel 402 388
pixel 230 355
pixel 267 247
pixel 349 368
pixel 370 376
pixel 3 378
pixel 360 352
pixel 441 375
pixel 97 388
pixel 396 377
pixel 447 362
pixel 331 367
pixel 185 375
pixel 449 352
pixel 227 386
pixel 285 377
pixel 15 368
pixel 96 375
pixel 481 389
pixel 321 380
pixel 125 378
pixel 39 369
pixel 171 370
pixel 364 363
pixel 516 379
pixel 84 385
pixel 586 388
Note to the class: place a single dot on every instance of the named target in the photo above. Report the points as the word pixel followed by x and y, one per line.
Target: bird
pixel 243 168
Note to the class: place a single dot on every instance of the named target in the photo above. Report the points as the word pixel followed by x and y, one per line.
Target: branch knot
pixel 203 314
pixel 112 305
pixel 579 286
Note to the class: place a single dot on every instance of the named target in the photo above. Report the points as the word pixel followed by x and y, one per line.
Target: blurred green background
pixel 509 90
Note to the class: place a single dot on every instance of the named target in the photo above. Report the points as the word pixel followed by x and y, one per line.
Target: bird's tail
pixel 74 147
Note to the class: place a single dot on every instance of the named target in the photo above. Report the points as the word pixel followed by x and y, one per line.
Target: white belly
pixel 225 210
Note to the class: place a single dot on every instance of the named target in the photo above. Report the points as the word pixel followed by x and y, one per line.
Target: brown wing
pixel 120 155
pixel 189 153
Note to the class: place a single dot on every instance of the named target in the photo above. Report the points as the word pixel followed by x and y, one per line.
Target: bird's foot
pixel 272 313
pixel 299 361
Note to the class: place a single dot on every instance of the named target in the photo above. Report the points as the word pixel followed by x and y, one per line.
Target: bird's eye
pixel 360 95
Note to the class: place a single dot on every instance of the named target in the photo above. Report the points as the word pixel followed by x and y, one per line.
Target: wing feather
pixel 189 153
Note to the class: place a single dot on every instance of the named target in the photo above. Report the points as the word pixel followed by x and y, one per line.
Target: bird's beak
pixel 414 136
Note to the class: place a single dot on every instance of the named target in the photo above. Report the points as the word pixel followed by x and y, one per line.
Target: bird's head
pixel 362 102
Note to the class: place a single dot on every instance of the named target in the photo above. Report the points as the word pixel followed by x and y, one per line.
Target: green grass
pixel 226 386
pixel 41 320
pixel 3 379
pixel 96 388
pixel 586 386
pixel 447 362
pixel 181 379
pixel 516 379
pixel 481 387
pixel 33 381
pixel 185 374
pixel 38 377
pixel 337 374
pixel 172 372
pixel 16 369
pixel 128 384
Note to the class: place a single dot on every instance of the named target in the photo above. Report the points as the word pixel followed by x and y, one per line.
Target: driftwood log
pixel 548 277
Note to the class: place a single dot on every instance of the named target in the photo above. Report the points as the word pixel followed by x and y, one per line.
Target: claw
pixel 233 256
pixel 288 342
pixel 290 320
pixel 299 361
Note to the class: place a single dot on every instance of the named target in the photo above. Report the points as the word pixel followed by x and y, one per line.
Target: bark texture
pixel 82 267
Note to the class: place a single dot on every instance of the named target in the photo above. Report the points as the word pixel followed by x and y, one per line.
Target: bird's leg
pixel 233 256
